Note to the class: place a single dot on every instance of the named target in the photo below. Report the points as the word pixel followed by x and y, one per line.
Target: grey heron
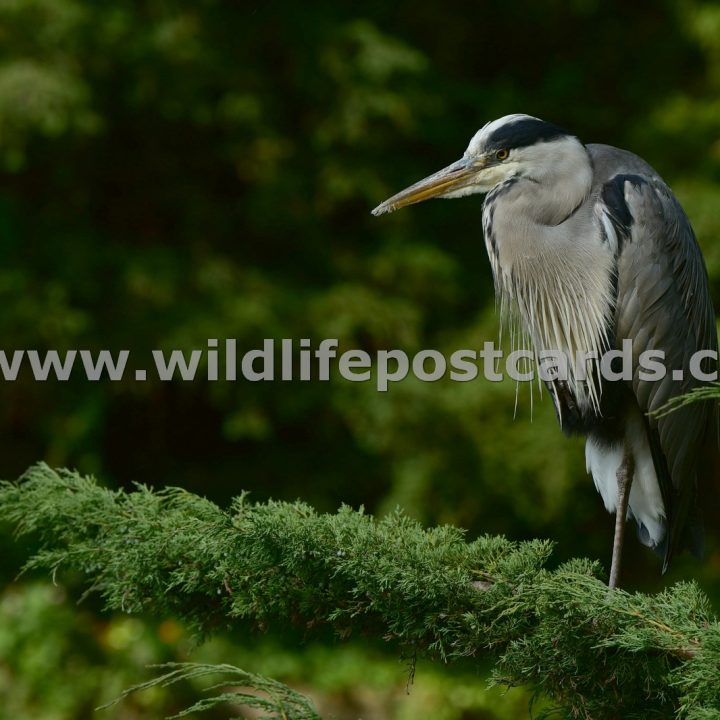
pixel 590 247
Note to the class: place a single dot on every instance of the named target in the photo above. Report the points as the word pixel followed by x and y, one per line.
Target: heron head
pixel 519 146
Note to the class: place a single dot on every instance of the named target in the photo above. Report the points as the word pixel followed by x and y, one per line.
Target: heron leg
pixel 624 480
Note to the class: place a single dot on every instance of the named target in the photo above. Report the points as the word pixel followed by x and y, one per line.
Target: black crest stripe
pixel 524 132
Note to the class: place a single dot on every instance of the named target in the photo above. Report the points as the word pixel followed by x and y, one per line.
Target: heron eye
pixel 502 154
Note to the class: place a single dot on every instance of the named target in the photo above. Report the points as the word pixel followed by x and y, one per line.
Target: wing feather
pixel 663 303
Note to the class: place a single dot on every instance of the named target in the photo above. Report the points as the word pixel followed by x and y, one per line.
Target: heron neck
pixel 555 274
pixel 553 192
pixel 528 216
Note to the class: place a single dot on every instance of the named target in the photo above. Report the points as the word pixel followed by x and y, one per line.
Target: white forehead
pixel 480 137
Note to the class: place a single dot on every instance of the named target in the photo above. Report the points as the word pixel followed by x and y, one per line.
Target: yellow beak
pixel 454 177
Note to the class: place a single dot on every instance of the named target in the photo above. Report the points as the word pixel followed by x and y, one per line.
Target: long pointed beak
pixel 447 180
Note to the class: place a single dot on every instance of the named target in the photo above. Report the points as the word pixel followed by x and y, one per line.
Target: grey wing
pixel 663 303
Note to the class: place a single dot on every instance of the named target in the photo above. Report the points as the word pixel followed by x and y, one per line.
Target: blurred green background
pixel 174 171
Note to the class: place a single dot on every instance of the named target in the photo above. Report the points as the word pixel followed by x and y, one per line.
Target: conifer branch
pixel 595 654
pixel 270 699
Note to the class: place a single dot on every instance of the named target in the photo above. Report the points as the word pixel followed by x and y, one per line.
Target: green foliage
pixel 60 659
pixel 267 696
pixel 703 394
pixel 172 172
pixel 593 652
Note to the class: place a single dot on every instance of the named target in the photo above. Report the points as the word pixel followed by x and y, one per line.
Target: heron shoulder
pixel 609 161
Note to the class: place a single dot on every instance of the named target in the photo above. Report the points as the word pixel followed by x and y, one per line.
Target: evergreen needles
pixel 595 654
